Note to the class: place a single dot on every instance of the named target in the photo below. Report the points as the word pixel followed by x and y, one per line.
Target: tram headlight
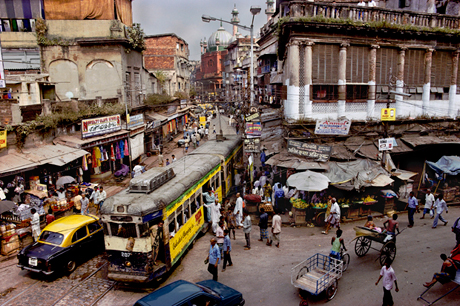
pixel 127 264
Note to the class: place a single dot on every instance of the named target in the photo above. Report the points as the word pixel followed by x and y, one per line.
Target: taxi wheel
pixel 71 266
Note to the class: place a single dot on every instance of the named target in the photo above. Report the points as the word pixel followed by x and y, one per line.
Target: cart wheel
pixel 302 272
pixel 320 219
pixel 346 261
pixel 388 251
pixel 362 246
pixel 331 291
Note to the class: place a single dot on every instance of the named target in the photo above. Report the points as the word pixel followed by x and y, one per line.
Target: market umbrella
pixel 308 181
pixel 64 180
pixel 6 206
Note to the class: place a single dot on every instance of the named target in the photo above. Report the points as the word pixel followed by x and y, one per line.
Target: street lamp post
pixel 254 11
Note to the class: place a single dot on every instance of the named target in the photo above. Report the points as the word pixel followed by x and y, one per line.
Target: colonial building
pixel 343 60
pixel 169 54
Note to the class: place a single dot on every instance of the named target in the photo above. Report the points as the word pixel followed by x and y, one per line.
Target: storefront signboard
pixel 3 135
pixel 2 72
pixel 100 126
pixel 153 124
pixel 253 129
pixel 253 118
pixel 386 144
pixel 135 121
pixel 332 127
pixel 252 145
pixel 311 150
pixel 183 103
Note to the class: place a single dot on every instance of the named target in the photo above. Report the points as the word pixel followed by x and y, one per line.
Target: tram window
pixel 193 206
pixel 106 229
pixel 198 200
pixel 144 229
pixel 187 210
pixel 180 219
pixel 123 230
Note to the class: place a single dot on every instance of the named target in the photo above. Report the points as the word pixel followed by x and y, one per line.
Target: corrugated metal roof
pixel 362 146
pixel 339 151
pixel 417 140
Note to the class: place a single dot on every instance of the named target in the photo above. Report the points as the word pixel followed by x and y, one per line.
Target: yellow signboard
pixel 388 114
pixel 2 139
pixel 185 234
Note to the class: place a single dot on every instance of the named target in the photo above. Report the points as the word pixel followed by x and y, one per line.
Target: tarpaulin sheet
pixel 355 174
pixel 446 164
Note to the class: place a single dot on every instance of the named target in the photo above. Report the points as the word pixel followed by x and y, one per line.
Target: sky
pixel 183 17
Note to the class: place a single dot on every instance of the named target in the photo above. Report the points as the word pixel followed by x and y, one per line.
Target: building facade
pixel 169 54
pixel 342 60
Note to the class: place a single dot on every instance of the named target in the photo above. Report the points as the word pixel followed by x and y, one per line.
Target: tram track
pixel 88 290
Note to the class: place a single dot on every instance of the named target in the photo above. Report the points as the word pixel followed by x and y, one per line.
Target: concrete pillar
pixel 308 109
pixel 74 104
pixel 291 105
pixel 342 80
pixel 453 84
pixel 99 101
pixel 427 81
pixel 371 83
pixel 400 81
pixel 46 107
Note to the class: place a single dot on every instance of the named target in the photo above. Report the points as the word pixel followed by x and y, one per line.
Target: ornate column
pixel 291 105
pixel 342 80
pixel 371 83
pixel 400 81
pixel 453 84
pixel 427 81
pixel 308 79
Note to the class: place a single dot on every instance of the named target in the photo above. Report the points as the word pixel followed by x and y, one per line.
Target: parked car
pixel 62 244
pixel 183 293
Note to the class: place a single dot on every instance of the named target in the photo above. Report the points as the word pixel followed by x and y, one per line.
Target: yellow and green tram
pixel 139 249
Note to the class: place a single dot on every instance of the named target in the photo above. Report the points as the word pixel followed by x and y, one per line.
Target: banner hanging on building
pixel 331 127
pixel 311 150
pixel 3 135
pixel 2 71
pixel 100 126
pixel 252 145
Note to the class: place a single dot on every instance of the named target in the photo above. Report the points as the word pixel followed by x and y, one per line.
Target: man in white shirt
pixel 35 224
pixel 334 216
pixel 440 207
pixel 361 3
pixel 429 201
pixel 102 196
pixel 61 193
pixel 276 229
pixel 238 211
pixel 371 3
pixel 388 275
pixel 95 197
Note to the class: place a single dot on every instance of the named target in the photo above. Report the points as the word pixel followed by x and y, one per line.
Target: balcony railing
pixel 297 9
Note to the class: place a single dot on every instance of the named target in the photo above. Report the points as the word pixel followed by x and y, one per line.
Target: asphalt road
pixel 263 273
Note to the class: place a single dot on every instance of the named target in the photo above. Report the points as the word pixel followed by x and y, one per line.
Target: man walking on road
pixel 194 141
pixel 263 225
pixel 440 207
pixel 276 229
pixel 412 206
pixel 429 201
pixel 198 138
pixel 35 223
pixel 84 204
pixel 334 217
pixel 227 250
pixel 213 258
pixel 247 226
pixel 388 275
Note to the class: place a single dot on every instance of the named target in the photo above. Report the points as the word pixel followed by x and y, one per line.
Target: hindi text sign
pixel 252 145
pixel 311 150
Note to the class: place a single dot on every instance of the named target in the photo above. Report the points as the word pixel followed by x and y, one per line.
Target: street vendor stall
pixel 309 210
pixel 445 180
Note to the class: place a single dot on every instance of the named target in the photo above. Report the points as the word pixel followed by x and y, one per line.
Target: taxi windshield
pixel 51 237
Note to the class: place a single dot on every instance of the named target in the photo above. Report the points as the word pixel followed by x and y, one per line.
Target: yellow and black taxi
pixel 62 244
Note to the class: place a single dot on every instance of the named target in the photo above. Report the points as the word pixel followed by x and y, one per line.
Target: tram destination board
pixel 252 145
pixel 311 150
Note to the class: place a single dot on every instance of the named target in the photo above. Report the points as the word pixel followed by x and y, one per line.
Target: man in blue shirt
pixel 412 206
pixel 213 258
pixel 227 250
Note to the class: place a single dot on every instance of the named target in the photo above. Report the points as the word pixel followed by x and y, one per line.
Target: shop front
pixel 153 135
pixel 107 144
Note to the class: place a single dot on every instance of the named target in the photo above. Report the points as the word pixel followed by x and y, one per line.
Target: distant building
pixel 169 54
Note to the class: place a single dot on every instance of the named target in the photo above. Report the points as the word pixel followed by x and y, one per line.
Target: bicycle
pixel 345 258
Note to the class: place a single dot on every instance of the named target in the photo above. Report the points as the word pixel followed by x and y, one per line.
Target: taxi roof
pixel 69 223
